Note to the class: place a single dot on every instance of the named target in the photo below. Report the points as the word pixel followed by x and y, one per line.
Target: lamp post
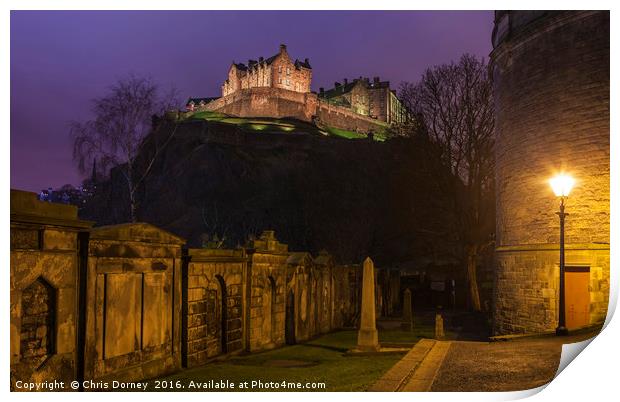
pixel 562 184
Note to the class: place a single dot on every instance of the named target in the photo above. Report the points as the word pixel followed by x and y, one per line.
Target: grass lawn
pixel 320 360
pixel 278 125
pixel 344 133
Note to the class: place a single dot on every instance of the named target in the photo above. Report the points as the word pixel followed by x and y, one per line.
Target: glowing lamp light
pixel 562 184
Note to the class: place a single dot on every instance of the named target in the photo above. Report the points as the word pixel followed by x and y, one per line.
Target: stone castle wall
pixel 551 88
pixel 281 103
pixel 346 119
pixel 266 102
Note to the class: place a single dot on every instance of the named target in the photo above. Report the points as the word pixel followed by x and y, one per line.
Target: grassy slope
pixel 278 125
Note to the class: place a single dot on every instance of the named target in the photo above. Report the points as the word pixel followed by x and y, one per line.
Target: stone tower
pixel 551 86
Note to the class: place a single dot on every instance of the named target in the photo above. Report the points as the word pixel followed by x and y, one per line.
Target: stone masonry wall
pixel 320 304
pixel 215 281
pixel 280 103
pixel 133 303
pixel 265 102
pixel 121 303
pixel 267 291
pixel 44 273
pixel 551 89
pixel 343 118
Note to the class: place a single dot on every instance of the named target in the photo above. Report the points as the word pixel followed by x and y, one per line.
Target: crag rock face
pixel 551 88
pixel 351 197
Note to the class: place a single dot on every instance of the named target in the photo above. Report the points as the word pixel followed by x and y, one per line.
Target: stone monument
pixel 407 324
pixel 439 333
pixel 367 337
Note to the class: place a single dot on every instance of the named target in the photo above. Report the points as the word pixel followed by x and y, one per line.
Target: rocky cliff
pixel 352 197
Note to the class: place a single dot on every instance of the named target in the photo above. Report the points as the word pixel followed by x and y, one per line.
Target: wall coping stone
pixel 27 208
pixel 139 232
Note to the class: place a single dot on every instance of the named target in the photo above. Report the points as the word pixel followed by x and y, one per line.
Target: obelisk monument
pixel 367 337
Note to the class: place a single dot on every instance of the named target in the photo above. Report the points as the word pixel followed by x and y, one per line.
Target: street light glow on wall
pixel 562 184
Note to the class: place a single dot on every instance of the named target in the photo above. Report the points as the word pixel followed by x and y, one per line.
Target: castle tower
pixel 551 87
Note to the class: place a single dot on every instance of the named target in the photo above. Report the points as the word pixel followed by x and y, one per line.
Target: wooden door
pixel 577 296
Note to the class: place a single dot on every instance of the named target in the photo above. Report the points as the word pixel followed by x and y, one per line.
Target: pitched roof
pixel 340 89
pixel 304 64
pixel 345 88
pixel 240 66
pixel 252 63
pixel 324 258
pixel 298 258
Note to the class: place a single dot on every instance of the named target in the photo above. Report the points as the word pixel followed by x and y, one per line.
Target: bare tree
pixel 454 102
pixel 118 134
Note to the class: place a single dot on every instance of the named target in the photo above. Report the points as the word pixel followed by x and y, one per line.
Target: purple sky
pixel 60 60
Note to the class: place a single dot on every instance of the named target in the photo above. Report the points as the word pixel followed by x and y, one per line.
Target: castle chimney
pixel 375 80
pixel 261 59
pixel 346 81
pixel 282 47
pixel 307 61
pixel 336 84
pixel 321 91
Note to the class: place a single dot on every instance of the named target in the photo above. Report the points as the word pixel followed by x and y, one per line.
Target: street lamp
pixel 562 184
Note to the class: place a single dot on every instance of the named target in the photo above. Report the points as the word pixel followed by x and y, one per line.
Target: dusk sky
pixel 61 60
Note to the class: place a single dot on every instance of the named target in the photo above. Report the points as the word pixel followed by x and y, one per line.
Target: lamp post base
pixel 561 331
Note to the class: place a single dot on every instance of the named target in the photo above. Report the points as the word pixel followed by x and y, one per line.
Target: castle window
pixel 288 71
pixel 280 69
pixel 279 80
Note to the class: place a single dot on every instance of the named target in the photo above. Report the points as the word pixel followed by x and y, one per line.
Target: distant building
pixel 67 194
pixel 368 98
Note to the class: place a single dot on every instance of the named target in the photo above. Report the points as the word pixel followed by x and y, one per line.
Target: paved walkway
pixel 513 365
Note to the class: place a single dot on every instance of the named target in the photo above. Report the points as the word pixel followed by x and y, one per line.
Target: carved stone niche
pixel 38 322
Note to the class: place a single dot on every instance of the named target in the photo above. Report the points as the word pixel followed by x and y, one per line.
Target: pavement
pixel 516 364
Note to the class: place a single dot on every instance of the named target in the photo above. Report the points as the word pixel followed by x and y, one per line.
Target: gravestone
pixel 439 333
pixel 407 324
pixel 367 337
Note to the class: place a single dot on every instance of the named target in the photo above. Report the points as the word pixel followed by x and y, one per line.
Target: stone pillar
pixel 367 337
pixel 439 333
pixel 407 311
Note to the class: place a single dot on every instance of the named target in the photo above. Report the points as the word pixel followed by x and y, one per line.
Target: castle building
pixel 278 71
pixel 374 99
pixel 279 87
pixel 550 74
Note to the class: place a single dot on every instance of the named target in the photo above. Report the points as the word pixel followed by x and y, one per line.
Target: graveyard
pixel 448 236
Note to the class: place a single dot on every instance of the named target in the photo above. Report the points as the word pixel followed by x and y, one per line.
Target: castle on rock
pixel 279 87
